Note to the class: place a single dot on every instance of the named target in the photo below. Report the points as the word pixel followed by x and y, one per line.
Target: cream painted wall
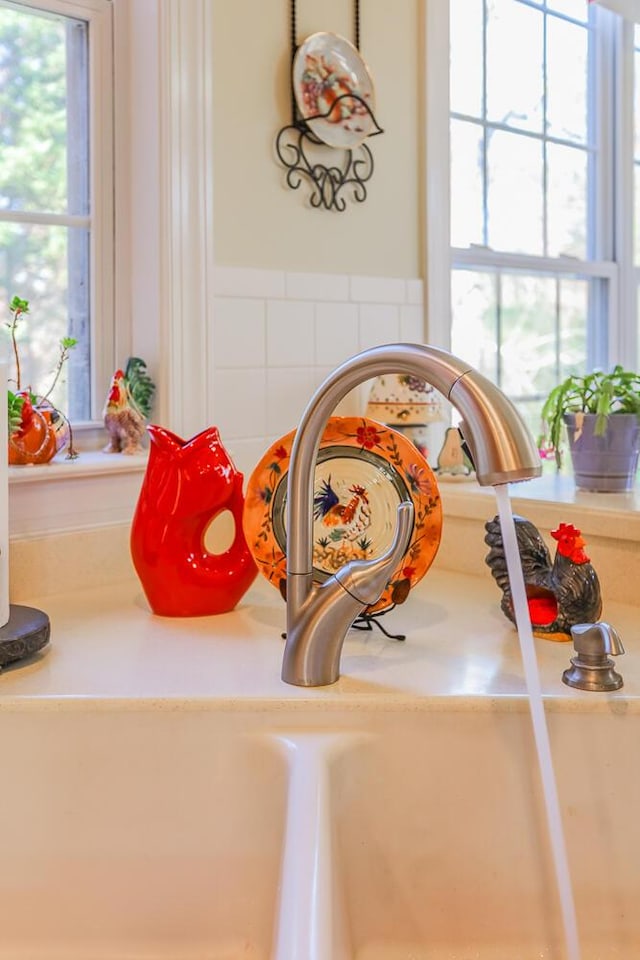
pixel 259 221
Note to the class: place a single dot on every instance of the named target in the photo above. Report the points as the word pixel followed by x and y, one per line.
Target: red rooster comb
pixel 570 543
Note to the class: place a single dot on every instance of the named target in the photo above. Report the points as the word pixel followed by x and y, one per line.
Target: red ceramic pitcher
pixel 187 484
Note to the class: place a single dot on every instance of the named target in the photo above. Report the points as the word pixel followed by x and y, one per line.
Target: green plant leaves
pixel 598 392
pixel 15 404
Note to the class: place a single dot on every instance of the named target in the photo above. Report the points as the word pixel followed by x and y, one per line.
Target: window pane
pixel 473 330
pixel 48 266
pixel 638 328
pixel 515 165
pixel 636 149
pixel 636 205
pixel 466 173
pixel 43 111
pixel 572 8
pixel 566 89
pixel 526 329
pixel 515 64
pixel 528 335
pixel 524 332
pixel 466 56
pixel 574 310
pixel 566 201
pixel 636 93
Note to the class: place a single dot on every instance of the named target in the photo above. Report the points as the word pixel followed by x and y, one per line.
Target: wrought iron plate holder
pixel 296 142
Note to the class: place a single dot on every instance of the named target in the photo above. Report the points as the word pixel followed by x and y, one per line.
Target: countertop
pixel 108 651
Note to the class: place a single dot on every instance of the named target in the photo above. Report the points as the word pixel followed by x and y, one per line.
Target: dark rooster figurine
pixel 128 406
pixel 559 594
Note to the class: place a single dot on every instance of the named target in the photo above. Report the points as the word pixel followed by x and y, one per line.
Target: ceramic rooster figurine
pixel 127 407
pixel 345 520
pixel 559 593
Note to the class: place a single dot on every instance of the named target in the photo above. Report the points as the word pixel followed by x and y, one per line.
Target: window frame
pixel 164 273
pixel 626 339
pixel 613 261
pixel 99 15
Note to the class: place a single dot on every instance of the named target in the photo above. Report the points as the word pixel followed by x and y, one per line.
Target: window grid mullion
pixel 519 131
pixel 486 258
pixel 545 177
pixel 499 328
pixel 45 219
pixel 557 14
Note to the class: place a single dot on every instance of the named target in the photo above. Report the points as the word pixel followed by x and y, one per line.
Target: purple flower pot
pixel 608 463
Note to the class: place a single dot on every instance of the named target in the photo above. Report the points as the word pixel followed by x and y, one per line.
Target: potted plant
pixel 37 429
pixel 601 412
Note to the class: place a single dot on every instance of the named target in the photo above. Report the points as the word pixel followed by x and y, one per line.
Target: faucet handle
pixel 596 639
pixel 366 579
pixel 591 668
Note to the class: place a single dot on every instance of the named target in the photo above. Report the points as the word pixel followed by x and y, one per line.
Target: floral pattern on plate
pixel 363 471
pixel 334 90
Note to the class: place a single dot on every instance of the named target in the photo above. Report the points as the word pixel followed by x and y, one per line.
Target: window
pixel 537 134
pixel 56 224
pixel 635 185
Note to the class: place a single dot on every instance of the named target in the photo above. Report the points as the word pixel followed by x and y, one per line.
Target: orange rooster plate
pixel 363 471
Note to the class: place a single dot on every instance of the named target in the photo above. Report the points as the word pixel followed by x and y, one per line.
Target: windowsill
pixel 610 514
pixel 89 463
pixel 548 500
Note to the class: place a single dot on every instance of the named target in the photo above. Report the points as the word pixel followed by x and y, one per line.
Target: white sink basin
pixel 137 834
pixel 442 845
pixel 412 834
pixel 165 797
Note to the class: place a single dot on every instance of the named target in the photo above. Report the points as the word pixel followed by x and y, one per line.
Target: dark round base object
pixel 27 631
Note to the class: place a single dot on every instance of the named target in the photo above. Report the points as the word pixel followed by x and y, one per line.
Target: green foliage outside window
pixel 37 176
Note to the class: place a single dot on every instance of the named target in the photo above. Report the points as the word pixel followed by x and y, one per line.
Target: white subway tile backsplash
pixel 378 290
pixel 379 323
pixel 317 286
pixel 337 336
pixel 290 333
pixel 278 335
pixel 246 454
pixel 239 332
pixel 240 401
pixel 412 324
pixel 289 390
pixel 248 282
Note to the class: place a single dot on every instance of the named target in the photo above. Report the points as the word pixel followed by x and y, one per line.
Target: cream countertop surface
pixel 109 651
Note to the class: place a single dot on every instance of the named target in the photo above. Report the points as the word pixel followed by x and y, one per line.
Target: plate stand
pixel 301 151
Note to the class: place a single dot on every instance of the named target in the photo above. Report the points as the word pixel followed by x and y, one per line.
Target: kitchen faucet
pixel 502 449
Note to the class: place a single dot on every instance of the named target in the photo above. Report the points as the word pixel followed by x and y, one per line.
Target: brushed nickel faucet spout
pixel 503 451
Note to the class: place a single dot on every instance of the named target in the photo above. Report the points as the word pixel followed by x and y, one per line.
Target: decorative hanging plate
pixel 334 90
pixel 363 471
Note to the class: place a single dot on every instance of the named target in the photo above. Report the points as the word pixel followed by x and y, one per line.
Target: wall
pixel 258 220
pixel 298 289
pixel 220 180
pixel 238 331
pixel 278 335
